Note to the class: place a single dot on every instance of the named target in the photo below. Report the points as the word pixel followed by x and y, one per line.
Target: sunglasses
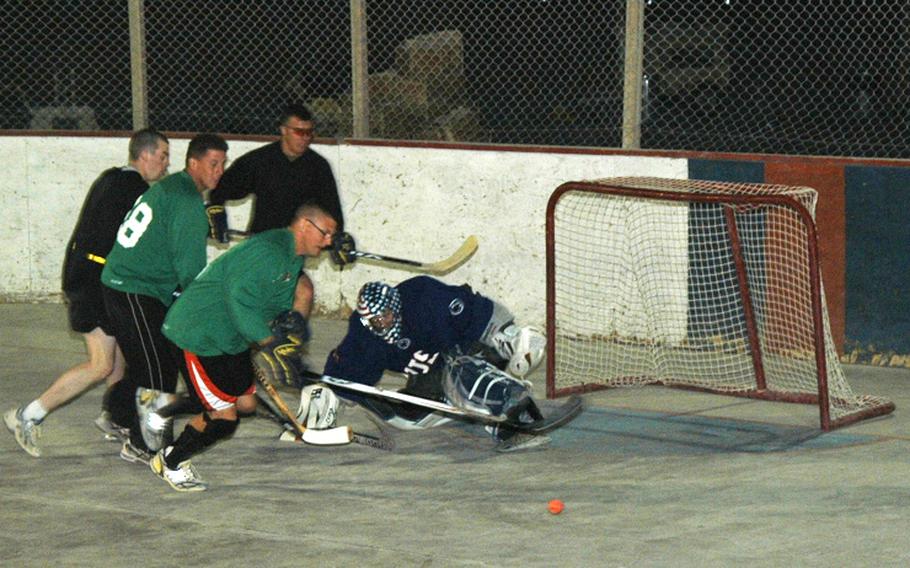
pixel 302 132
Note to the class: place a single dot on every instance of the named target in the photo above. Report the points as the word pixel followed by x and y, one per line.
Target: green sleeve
pixel 246 284
pixel 188 240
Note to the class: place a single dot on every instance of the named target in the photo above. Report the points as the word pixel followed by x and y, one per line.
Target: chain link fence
pixel 230 66
pixel 64 65
pixel 818 78
pixel 810 78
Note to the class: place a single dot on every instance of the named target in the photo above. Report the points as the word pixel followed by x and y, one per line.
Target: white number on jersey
pixel 134 225
pixel 420 364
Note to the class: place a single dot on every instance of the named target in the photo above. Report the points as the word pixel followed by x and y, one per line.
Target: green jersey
pixel 161 243
pixel 230 304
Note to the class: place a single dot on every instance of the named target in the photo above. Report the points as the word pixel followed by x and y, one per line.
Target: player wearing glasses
pixel 282 175
pixel 223 318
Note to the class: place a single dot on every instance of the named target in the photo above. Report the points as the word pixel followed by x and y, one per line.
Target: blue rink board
pixel 623 431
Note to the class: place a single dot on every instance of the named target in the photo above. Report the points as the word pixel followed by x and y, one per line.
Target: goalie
pixel 453 344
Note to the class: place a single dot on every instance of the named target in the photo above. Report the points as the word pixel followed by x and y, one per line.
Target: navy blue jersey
pixel 435 318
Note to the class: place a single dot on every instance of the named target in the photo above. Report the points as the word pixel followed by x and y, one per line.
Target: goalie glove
pixel 218 224
pixel 280 361
pixel 342 247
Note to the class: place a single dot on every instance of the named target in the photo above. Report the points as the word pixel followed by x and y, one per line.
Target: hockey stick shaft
pixel 444 266
pixel 464 252
pixel 569 410
pixel 403 397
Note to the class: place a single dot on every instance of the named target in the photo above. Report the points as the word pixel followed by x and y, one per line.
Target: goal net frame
pixel 814 348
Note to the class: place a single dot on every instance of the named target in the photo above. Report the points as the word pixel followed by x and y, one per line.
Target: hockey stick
pixel 384 441
pixel 444 266
pixel 561 416
pixel 440 267
pixel 404 397
pixel 329 437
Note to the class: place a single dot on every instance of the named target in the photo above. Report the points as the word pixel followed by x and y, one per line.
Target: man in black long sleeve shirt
pixel 108 201
pixel 283 175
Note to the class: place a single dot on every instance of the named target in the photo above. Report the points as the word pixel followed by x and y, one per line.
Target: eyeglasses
pixel 302 132
pixel 318 228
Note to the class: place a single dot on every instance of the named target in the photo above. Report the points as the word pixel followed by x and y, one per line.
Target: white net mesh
pixel 697 284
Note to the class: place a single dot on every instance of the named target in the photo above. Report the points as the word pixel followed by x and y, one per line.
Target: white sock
pixel 34 411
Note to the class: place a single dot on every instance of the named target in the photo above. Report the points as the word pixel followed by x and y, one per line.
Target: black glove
pixel 291 323
pixel 218 224
pixel 342 246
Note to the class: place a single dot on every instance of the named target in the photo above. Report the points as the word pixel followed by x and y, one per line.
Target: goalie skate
pixel 556 418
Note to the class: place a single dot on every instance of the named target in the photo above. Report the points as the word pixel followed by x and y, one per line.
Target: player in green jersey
pixel 160 248
pixel 227 309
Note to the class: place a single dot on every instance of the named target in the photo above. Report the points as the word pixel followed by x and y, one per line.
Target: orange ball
pixel 555 506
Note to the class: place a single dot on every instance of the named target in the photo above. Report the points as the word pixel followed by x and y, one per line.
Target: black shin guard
pixel 192 441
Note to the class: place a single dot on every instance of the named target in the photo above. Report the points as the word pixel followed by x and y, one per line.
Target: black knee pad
pixel 218 429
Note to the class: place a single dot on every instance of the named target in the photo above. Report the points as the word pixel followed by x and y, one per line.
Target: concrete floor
pixel 649 477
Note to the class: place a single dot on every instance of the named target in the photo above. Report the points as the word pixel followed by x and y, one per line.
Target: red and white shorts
pixel 218 381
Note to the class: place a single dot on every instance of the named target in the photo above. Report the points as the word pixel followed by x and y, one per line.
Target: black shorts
pixel 217 381
pixel 86 309
pixel 152 360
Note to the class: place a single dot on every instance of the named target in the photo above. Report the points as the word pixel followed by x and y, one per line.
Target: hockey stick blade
pixel 329 437
pixel 382 442
pixel 379 442
pixel 464 252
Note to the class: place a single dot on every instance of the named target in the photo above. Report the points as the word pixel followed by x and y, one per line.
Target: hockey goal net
pixel 704 285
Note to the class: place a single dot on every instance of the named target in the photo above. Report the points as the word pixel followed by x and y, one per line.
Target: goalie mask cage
pixel 703 285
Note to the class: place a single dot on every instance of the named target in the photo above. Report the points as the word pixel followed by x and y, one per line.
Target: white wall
pixel 405 202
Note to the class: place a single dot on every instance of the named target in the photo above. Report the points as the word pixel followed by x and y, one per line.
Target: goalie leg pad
pixel 522 347
pixel 476 384
pixel 318 407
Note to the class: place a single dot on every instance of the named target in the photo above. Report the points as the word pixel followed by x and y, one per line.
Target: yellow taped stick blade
pixel 464 252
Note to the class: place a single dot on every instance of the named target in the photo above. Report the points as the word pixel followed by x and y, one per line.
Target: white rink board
pixel 417 203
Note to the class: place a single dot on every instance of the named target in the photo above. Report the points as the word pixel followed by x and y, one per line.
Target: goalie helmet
pixel 379 308
pixel 318 407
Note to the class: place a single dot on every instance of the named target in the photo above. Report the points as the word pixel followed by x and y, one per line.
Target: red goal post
pixel 703 285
